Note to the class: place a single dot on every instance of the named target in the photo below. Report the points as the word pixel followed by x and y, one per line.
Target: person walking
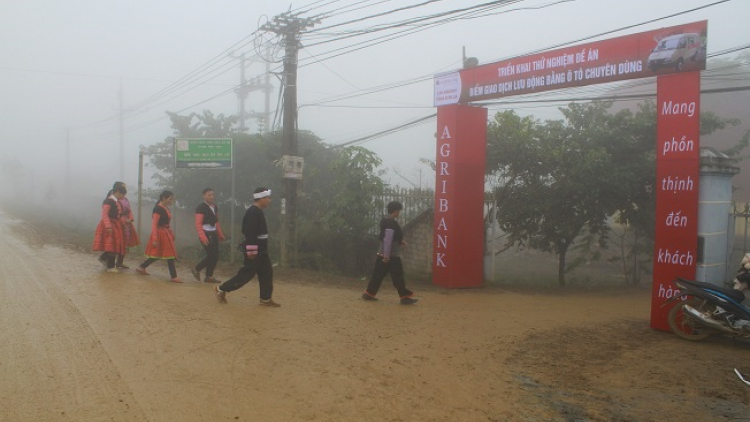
pixel 388 260
pixel 129 234
pixel 161 243
pixel 255 248
pixel 108 236
pixel 209 234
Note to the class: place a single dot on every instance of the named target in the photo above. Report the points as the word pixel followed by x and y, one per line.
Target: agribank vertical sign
pixel 459 196
pixel 677 177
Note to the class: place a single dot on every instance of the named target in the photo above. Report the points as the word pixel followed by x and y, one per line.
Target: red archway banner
pixel 667 50
pixel 675 54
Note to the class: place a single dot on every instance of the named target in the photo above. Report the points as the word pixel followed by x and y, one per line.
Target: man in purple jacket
pixel 389 259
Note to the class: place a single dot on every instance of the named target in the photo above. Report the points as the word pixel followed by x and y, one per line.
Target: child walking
pixel 388 259
pixel 161 243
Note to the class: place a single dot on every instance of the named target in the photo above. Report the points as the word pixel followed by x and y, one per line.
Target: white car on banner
pixel 675 50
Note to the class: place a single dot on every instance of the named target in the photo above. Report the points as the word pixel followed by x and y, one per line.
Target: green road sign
pixel 193 153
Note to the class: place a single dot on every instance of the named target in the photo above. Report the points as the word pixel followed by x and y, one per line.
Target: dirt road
pixel 82 345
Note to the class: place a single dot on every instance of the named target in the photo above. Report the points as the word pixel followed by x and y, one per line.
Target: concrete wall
pixel 715 219
pixel 417 257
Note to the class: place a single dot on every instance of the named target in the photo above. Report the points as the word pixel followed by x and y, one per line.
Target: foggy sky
pixel 62 65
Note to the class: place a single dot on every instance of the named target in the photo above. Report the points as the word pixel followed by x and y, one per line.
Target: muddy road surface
pixel 79 344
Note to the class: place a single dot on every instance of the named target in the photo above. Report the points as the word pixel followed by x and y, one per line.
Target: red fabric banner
pixel 679 48
pixel 677 178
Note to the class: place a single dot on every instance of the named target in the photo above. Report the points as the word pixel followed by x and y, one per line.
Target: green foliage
pixel 254 161
pixel 336 196
pixel 356 184
pixel 557 182
pixel 357 187
pixel 565 181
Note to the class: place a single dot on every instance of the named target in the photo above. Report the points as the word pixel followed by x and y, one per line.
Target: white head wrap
pixel 263 194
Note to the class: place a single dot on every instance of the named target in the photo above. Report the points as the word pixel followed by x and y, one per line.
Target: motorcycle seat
pixel 735 295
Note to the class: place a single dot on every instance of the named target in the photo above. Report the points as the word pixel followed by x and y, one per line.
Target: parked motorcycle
pixel 704 309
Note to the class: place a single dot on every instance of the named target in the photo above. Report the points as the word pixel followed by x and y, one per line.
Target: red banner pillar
pixel 458 243
pixel 677 178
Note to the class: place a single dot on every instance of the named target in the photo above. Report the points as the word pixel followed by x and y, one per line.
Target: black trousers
pixel 261 265
pixel 170 264
pixel 212 255
pixel 395 268
pixel 109 257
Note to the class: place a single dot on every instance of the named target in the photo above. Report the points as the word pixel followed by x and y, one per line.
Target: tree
pixel 564 180
pixel 357 185
pixel 334 206
pixel 254 157
pixel 555 179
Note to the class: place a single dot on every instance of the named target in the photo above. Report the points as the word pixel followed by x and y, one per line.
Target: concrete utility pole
pixel 67 161
pixel 122 138
pixel 242 91
pixel 266 125
pixel 245 88
pixel 289 26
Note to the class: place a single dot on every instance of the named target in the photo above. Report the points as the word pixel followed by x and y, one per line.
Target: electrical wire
pixel 351 8
pixel 583 39
pixel 331 70
pixel 425 119
pixel 388 131
pixel 393 86
pixel 365 44
pixel 376 15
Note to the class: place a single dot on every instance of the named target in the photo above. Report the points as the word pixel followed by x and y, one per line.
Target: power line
pixel 621 29
pixel 331 70
pixel 582 90
pixel 612 97
pixel 351 8
pixel 89 75
pixel 424 119
pixel 425 78
pixel 494 4
pixel 551 47
pixel 156 120
pixel 388 131
pixel 376 15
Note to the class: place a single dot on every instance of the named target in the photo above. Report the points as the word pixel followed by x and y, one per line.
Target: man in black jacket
pixel 388 259
pixel 255 248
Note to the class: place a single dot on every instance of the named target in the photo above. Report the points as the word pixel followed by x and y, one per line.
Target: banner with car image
pixel 680 48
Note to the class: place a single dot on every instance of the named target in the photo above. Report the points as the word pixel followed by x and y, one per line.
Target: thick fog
pixel 87 77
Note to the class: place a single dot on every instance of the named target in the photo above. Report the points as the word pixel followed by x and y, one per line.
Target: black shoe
pixel 196 274
pixel 211 280
pixel 103 260
pixel 408 301
pixel 367 296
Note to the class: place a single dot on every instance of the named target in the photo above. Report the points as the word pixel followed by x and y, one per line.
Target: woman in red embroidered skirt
pixel 108 237
pixel 161 243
